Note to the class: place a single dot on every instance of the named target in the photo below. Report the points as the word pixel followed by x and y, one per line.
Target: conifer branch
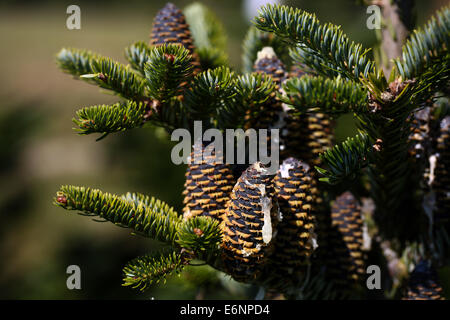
pixel 76 61
pixel 327 41
pixel 154 219
pixel 303 56
pixel 424 45
pixel 107 119
pixel 201 235
pixel 251 91
pixel 384 120
pixel 209 91
pixel 172 115
pixel 345 160
pixel 315 93
pixel 151 269
pixel 167 70
pixel 115 76
pixel 137 55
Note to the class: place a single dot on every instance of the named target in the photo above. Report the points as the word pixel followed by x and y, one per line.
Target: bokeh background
pixel 39 151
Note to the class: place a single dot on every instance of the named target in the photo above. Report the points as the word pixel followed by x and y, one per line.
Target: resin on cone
pixel 249 224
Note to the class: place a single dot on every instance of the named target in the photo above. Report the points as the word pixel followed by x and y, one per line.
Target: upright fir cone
pixel 295 239
pixel 208 184
pixel 441 175
pixel 170 26
pixel 270 116
pixel 249 224
pixel 422 284
pixel 345 241
pixel 308 135
pixel 419 136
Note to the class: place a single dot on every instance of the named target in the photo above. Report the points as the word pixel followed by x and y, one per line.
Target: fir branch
pixel 424 45
pixel 303 56
pixel 115 76
pixel 107 119
pixel 171 116
pixel 137 55
pixel 76 61
pixel 333 96
pixel 201 235
pixel 138 198
pixel 209 91
pixel 142 272
pixel 251 91
pixel 167 70
pixel 327 41
pixel 434 79
pixel 385 120
pixel 155 219
pixel 345 160
pixel 255 40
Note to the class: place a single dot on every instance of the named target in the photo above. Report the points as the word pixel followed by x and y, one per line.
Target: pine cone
pixel 345 241
pixel 271 113
pixel 419 136
pixel 441 181
pixel 170 26
pixel 249 223
pixel 306 136
pixel 208 185
pixel 295 239
pixel 422 284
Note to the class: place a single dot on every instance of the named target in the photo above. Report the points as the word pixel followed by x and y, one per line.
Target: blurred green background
pixel 39 151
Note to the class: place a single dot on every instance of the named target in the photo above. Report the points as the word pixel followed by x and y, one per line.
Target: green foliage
pixel 251 91
pixel 172 115
pixel 137 55
pixel 327 41
pixel 424 45
pixel 209 91
pixel 255 40
pixel 76 61
pixel 303 56
pixel 390 172
pixel 108 119
pixel 154 219
pixel 115 76
pixel 150 269
pixel 167 70
pixel 318 94
pixel 200 235
pixel 162 90
pixel 345 160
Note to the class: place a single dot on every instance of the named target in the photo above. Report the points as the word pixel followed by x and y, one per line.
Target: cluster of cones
pixel 277 220
pixel 430 151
